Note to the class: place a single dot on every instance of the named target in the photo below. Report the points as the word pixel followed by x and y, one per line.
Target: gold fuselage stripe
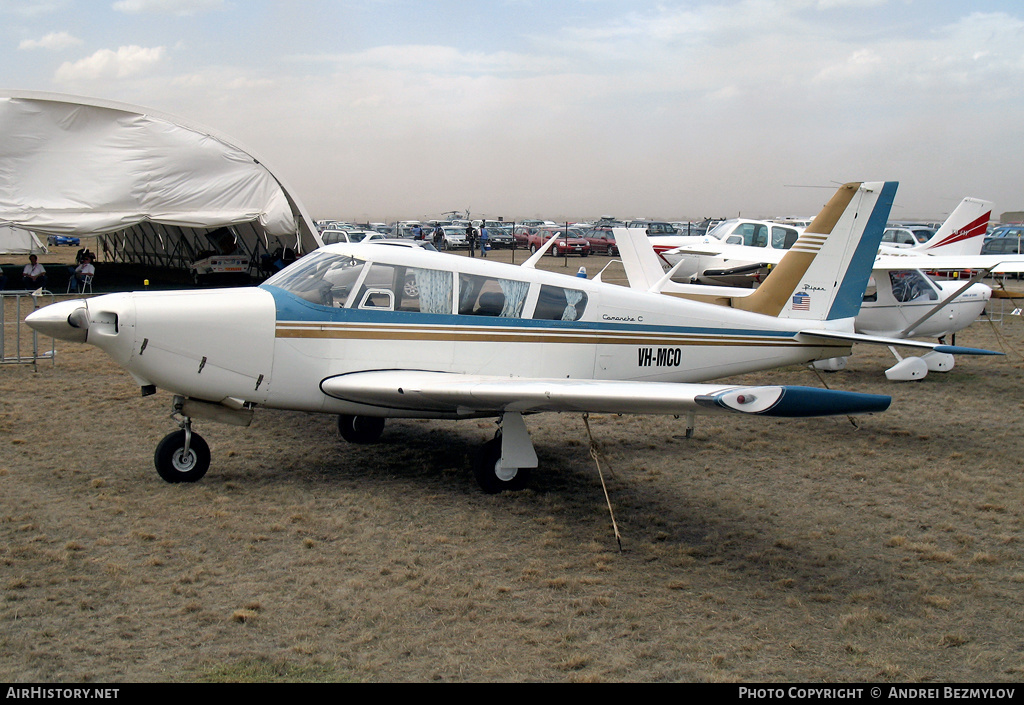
pixel 320 331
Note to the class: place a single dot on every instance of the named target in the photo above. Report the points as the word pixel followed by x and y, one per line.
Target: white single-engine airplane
pixel 900 300
pixel 741 252
pixel 342 331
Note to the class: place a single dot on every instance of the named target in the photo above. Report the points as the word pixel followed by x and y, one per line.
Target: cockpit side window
pixel 409 289
pixel 911 285
pixel 754 234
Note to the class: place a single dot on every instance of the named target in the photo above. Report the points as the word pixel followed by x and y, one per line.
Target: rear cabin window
pixel 558 304
pixel 487 296
pixel 783 238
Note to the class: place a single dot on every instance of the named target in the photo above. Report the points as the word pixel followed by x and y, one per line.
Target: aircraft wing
pixel 999 264
pixel 746 268
pixel 482 394
pixel 726 251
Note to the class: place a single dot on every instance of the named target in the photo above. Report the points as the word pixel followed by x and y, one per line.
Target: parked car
pixel 57 240
pixel 1011 231
pixel 907 235
pixel 403 242
pixel 653 227
pixel 331 237
pixel 454 238
pixel 568 241
pixel 602 240
pixel 499 237
pixel 521 235
pixel 1005 245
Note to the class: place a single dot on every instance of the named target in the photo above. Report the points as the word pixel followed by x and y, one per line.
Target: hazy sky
pixel 381 109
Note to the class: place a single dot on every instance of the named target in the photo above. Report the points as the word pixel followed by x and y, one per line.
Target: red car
pixel 568 241
pixel 601 240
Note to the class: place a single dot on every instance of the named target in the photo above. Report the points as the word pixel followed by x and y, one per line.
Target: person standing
pixel 471 239
pixel 484 237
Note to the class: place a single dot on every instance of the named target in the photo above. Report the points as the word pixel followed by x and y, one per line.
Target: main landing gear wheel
pixel 175 464
pixel 493 478
pixel 360 429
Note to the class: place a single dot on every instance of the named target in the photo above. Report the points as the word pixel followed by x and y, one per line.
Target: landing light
pixel 746 399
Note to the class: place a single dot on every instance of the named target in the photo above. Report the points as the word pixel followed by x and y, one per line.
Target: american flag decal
pixel 801 301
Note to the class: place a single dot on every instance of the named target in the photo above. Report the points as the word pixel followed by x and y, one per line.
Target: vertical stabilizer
pixel 643 268
pixel 825 273
pixel 963 233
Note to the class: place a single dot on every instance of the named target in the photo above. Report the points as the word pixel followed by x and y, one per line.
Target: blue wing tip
pixel 812 401
pixel 797 402
pixel 957 350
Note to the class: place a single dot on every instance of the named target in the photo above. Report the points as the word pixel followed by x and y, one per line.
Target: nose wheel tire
pixel 174 464
pixel 493 478
pixel 360 429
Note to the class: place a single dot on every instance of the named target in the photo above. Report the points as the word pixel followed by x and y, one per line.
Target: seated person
pixel 83 270
pixel 34 274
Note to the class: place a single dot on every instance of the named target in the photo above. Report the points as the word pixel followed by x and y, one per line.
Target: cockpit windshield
pixel 322 278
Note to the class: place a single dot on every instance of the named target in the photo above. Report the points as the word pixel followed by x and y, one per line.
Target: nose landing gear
pixel 182 456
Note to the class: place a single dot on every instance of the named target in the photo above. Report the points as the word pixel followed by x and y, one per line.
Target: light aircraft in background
pixel 899 302
pixel 341 332
pixel 741 252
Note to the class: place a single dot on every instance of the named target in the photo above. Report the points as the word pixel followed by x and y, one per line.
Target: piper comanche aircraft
pixel 899 302
pixel 371 331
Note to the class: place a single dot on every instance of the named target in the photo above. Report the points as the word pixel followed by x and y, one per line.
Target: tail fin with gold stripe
pixel 825 273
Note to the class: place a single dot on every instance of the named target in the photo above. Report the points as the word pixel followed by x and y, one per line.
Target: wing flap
pixel 413 390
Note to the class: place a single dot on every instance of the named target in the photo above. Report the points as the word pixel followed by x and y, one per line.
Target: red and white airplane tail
pixel 963 233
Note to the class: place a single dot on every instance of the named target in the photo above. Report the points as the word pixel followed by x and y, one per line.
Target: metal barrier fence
pixel 1006 299
pixel 19 344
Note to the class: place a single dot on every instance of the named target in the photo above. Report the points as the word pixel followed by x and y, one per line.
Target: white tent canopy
pixel 78 166
pixel 17 241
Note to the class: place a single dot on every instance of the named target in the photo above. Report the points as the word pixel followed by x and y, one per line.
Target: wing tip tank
pixel 795 402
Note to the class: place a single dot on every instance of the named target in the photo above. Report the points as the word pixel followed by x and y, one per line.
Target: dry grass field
pixel 816 550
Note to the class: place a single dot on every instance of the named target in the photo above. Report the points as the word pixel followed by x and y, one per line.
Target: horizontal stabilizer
pixel 466 395
pixel 901 342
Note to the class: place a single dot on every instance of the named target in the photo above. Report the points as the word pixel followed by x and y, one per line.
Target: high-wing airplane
pixel 900 300
pixel 341 331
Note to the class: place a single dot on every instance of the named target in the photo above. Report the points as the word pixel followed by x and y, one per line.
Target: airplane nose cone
pixel 66 320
